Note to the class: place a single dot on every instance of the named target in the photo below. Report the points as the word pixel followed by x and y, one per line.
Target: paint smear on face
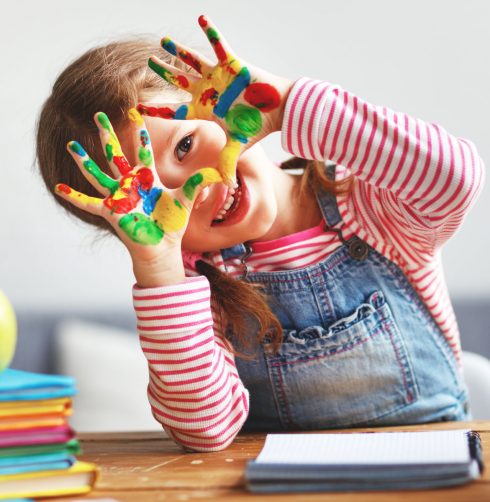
pixel 152 111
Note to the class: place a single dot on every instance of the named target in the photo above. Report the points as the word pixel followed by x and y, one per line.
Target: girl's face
pixel 180 148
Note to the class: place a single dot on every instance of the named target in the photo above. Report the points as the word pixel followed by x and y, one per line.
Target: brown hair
pixel 113 78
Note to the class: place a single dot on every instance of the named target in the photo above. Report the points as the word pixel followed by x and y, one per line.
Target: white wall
pixel 427 58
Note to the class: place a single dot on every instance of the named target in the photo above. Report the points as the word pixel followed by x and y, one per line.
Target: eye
pixel 184 146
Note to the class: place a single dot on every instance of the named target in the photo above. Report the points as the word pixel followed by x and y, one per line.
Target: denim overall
pixel 360 348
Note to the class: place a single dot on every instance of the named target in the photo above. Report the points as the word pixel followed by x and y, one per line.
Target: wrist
pixel 162 270
pixel 284 87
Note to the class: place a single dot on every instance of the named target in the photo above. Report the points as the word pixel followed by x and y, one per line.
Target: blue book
pixel 17 385
pixel 39 464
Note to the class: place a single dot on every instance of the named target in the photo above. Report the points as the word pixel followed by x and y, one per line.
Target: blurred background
pixel 72 290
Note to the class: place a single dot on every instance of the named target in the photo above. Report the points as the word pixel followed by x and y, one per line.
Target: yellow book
pixel 60 406
pixel 78 479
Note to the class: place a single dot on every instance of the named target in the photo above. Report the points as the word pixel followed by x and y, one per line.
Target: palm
pixel 229 93
pixel 141 210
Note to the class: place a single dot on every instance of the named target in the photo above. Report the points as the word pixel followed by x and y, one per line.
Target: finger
pixel 220 46
pixel 144 151
pixel 92 172
pixel 172 111
pixel 196 61
pixel 172 75
pixel 115 157
pixel 228 159
pixel 199 180
pixel 87 203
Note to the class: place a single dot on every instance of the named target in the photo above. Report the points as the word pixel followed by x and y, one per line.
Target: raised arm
pixel 194 389
pixel 414 180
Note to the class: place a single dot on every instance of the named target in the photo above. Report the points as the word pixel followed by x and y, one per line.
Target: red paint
pixel 126 204
pixel 210 94
pixel 190 60
pixel 183 82
pixel 144 178
pixel 263 96
pixel 122 164
pixel 152 111
pixel 64 188
pixel 202 21
pixel 219 50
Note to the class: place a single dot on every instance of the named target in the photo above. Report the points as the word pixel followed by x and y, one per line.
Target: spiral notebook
pixel 365 461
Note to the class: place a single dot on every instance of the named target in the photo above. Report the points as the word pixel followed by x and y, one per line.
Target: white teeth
pixel 220 216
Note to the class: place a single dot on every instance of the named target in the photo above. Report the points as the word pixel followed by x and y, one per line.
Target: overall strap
pixel 327 201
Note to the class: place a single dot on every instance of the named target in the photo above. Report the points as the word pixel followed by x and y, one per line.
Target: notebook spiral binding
pixel 476 452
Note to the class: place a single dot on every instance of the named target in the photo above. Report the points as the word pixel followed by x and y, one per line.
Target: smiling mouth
pixel 231 204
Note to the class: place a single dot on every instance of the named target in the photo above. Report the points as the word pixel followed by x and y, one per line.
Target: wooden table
pixel 147 466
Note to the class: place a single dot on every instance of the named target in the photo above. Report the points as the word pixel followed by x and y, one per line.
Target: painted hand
pixel 136 204
pixel 245 101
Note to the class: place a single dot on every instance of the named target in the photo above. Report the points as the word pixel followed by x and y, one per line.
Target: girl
pixel 266 300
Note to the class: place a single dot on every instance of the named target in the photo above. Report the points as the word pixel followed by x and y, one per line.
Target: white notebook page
pixel 432 447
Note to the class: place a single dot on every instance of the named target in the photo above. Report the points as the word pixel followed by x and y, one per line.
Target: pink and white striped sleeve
pixel 413 179
pixel 194 388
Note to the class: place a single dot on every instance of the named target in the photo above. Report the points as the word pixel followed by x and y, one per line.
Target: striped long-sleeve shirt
pixel 413 185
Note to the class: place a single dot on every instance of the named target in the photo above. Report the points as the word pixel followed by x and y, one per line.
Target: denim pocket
pixel 353 372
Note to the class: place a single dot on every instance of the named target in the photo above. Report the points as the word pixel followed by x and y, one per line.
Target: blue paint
pixel 239 137
pixel 169 46
pixel 240 82
pixel 145 139
pixel 181 112
pixel 150 198
pixel 76 147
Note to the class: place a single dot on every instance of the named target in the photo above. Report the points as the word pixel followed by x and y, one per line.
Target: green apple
pixel 8 332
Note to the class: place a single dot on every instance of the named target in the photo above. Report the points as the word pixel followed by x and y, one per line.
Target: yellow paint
pixel 116 147
pixel 228 158
pixel 169 215
pixel 80 199
pixel 135 116
pixel 220 80
pixel 126 185
pixel 210 175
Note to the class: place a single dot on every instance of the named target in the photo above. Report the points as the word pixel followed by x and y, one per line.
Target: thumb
pixel 198 181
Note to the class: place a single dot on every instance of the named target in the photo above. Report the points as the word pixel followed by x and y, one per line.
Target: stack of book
pixel 37 445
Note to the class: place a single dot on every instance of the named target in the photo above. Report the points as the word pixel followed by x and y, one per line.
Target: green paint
pixel 163 72
pixel 101 177
pixel 108 152
pixel 190 185
pixel 141 229
pixel 178 204
pixel 244 120
pixel 212 33
pixel 77 148
pixel 104 121
pixel 145 156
